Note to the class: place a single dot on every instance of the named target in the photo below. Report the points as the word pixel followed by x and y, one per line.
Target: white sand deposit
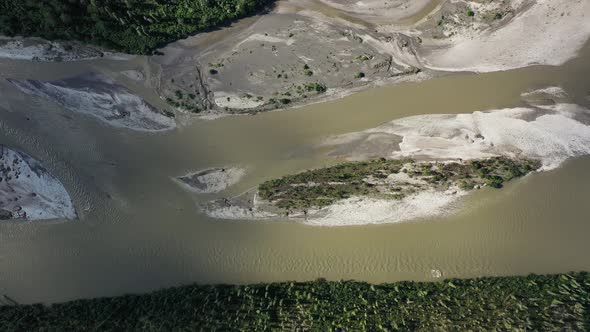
pixel 352 211
pixel 212 180
pixel 549 32
pixel 231 100
pixel 28 191
pixel 100 97
pixel 551 134
pixel 364 210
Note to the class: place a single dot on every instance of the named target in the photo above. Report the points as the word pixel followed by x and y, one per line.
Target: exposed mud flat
pixel 211 180
pixel 98 96
pixel 305 50
pixel 28 191
pixel 37 49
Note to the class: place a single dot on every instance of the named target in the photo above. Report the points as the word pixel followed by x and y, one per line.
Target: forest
pixel 529 303
pixel 130 26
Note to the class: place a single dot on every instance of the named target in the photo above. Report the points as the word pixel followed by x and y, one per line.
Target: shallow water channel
pixel 138 230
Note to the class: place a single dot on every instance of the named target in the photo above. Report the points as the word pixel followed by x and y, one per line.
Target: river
pixel 139 231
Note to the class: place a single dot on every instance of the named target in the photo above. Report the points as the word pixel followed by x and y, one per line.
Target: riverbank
pixel 303 52
pixel 534 302
pixel 307 51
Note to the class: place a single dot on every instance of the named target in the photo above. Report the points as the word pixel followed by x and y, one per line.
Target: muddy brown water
pixel 139 231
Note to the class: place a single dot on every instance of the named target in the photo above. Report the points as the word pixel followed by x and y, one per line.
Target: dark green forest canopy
pixel 131 26
pixel 532 303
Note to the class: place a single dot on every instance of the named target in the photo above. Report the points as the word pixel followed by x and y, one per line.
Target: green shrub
pixel 495 181
pixel 466 185
pixel 317 87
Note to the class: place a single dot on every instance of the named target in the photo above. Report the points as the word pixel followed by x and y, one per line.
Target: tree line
pixel 131 26
pixel 532 303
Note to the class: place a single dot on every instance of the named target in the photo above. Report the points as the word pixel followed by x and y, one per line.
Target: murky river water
pixel 140 231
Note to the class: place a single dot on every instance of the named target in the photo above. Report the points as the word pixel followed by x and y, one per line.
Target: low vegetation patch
pixel 533 303
pixel 322 187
